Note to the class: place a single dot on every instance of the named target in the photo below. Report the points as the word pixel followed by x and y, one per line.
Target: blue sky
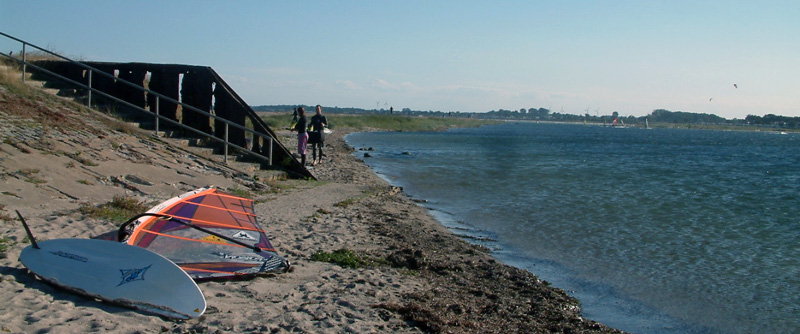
pixel 471 56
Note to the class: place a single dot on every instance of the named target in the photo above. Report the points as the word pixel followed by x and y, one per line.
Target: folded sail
pixel 191 230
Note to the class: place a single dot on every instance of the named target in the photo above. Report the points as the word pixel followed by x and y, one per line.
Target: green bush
pixel 343 257
pixel 120 209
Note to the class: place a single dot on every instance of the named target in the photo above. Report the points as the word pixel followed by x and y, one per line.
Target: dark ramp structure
pixel 191 101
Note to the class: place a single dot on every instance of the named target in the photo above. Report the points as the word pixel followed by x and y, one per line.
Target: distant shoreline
pixel 370 122
pixel 715 127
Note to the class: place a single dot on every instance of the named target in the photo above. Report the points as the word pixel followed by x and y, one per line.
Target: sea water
pixel 654 231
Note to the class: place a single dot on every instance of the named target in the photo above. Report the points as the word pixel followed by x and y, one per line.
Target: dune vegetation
pixel 382 122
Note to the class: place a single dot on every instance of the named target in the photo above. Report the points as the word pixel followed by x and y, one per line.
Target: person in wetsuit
pixel 302 135
pixel 317 134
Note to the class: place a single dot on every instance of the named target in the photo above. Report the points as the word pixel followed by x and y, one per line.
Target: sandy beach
pixel 56 157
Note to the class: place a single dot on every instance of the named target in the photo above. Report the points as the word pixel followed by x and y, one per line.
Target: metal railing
pixel 158 97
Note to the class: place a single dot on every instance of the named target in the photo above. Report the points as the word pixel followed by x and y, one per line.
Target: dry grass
pixel 11 79
pixel 50 109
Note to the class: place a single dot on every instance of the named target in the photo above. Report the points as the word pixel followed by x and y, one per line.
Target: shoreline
pixel 596 298
pixel 467 279
pixel 426 279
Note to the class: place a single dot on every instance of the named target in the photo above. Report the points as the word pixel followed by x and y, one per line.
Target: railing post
pixel 89 101
pixel 158 99
pixel 226 144
pixel 269 154
pixel 24 61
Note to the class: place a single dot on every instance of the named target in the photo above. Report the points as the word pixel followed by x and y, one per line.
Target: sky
pixel 571 57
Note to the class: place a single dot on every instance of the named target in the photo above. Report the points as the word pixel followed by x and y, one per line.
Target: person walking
pixel 317 134
pixel 302 135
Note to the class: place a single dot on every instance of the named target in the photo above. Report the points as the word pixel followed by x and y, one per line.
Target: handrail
pixel 159 96
pixel 165 118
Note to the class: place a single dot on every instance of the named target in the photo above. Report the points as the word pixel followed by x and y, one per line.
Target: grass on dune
pixel 383 122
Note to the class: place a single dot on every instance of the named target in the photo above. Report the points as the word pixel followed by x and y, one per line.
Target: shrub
pixel 343 257
pixel 120 209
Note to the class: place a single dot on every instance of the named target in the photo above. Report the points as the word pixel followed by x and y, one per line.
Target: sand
pixel 55 157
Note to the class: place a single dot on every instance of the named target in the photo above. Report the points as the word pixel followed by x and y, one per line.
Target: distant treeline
pixel 657 116
pixel 774 120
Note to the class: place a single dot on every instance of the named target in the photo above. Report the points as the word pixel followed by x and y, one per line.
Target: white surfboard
pixel 117 273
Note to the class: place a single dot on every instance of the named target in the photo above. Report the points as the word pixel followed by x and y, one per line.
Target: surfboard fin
pixel 28 230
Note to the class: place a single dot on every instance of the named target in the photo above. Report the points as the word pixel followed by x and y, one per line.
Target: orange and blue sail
pixel 208 233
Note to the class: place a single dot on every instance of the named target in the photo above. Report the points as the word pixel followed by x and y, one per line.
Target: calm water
pixel 655 231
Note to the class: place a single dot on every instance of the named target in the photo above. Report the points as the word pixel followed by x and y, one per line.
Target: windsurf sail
pixel 208 233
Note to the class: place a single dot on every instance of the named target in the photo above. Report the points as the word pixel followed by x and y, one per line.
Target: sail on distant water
pixel 205 232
